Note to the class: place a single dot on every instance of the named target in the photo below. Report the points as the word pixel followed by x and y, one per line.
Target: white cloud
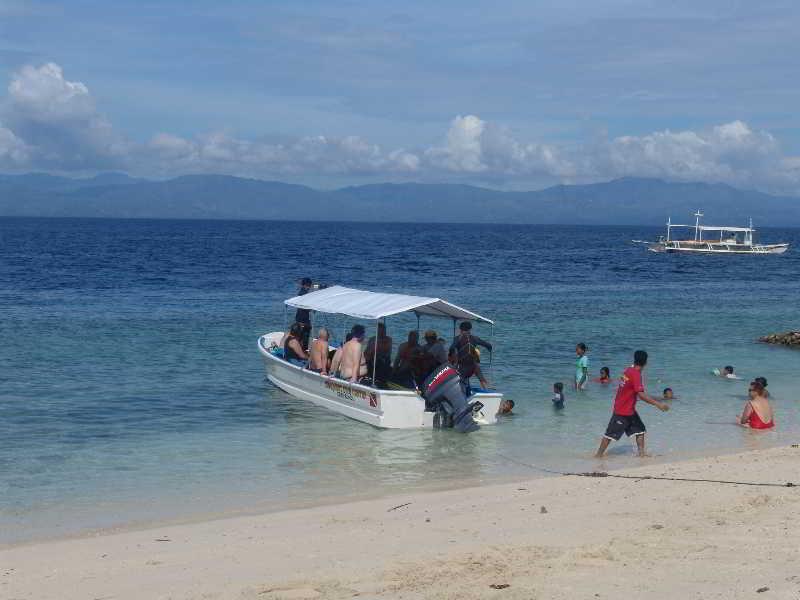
pixel 13 151
pixel 59 122
pixel 51 123
pixel 220 152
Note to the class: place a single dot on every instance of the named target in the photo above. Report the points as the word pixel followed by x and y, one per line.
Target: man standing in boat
pixel 303 316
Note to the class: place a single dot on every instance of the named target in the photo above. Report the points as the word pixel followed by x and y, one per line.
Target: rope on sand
pixel 788 484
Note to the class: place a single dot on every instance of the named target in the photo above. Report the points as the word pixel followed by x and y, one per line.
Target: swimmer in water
pixel 558 395
pixel 725 372
pixel 506 407
pixel 605 376
pixel 763 382
pixel 667 394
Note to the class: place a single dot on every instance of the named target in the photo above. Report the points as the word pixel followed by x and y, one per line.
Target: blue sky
pixel 507 94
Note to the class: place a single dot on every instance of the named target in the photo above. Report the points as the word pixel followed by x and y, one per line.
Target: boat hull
pixel 716 249
pixel 388 409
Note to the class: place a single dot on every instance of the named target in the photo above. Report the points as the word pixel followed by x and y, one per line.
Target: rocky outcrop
pixel 790 338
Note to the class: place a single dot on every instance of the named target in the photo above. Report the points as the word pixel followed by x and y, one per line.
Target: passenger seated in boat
pixel 757 413
pixel 378 354
pixel 319 352
pixel 402 369
pixel 465 344
pixel 336 361
pixel 353 366
pixel 293 348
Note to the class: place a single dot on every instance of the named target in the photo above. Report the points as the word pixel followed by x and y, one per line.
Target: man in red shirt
pixel 625 418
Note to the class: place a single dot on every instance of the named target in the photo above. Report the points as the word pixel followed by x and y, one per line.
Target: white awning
pixel 375 305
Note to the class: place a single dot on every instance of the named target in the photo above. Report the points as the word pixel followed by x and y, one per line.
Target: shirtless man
pixel 353 366
pixel 319 352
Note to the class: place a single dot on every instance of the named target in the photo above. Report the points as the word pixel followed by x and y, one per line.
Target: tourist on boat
pixel 435 347
pixel 303 316
pixel 605 376
pixel 293 350
pixel 558 395
pixel 667 394
pixel 506 407
pixel 581 367
pixel 353 366
pixel 763 382
pixel 465 344
pixel 336 361
pixel 319 352
pixel 378 354
pixel 402 369
pixel 625 419
pixel 757 413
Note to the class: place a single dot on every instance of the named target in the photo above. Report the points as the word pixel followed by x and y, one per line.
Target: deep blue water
pixel 131 388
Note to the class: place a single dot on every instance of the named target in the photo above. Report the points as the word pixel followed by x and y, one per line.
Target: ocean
pixel 132 390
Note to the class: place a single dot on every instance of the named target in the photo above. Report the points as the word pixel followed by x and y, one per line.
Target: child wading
pixel 625 418
pixel 581 367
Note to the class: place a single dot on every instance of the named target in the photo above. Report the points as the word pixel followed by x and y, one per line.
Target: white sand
pixel 599 538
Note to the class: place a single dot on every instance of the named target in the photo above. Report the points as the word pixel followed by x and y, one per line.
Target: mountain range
pixel 627 201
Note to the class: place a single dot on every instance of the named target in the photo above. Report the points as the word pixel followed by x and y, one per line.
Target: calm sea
pixel 131 388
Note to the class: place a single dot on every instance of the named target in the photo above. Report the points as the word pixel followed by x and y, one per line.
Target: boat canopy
pixel 362 304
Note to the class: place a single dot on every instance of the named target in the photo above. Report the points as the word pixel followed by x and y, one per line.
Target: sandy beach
pixel 564 537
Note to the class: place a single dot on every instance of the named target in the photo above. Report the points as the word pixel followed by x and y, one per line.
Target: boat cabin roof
pixel 362 304
pixel 715 228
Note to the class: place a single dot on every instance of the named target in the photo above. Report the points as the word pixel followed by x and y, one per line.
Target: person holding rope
pixel 625 419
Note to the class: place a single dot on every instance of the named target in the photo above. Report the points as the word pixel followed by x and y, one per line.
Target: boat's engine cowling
pixel 445 394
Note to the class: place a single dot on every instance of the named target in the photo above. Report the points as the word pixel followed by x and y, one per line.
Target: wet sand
pixel 564 537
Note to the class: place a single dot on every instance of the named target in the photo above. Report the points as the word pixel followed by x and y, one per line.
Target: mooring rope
pixel 600 474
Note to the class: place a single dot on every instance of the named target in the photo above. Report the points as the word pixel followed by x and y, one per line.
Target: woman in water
pixel 605 376
pixel 757 413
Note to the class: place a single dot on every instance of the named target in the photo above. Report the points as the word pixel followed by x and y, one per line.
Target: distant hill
pixel 628 201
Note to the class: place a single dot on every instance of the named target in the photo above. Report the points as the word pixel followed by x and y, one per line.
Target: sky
pixel 507 94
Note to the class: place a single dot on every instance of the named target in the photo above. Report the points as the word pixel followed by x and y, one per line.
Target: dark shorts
pixel 627 424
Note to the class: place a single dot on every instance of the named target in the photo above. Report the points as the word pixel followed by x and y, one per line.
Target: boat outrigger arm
pixel 390 408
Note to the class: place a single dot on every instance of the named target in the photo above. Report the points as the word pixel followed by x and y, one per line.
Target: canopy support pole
pixel 375 353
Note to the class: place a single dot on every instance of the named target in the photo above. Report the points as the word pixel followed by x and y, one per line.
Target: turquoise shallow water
pixel 131 389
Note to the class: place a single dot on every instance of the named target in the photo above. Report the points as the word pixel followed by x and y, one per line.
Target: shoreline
pixel 562 539
pixel 535 472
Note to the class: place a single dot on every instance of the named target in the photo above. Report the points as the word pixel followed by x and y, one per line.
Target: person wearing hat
pixel 303 315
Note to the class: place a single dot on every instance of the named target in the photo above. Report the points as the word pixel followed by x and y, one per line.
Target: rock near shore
pixel 789 338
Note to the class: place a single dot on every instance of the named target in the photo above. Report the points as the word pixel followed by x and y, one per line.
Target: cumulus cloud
pixel 59 123
pixel 49 122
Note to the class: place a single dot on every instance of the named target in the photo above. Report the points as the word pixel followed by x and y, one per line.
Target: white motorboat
pixel 385 408
pixel 712 239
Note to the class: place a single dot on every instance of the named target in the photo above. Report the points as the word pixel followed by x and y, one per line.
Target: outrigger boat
pixel 731 240
pixel 385 408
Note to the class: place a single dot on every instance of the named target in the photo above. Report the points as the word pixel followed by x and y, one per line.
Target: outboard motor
pixel 444 393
